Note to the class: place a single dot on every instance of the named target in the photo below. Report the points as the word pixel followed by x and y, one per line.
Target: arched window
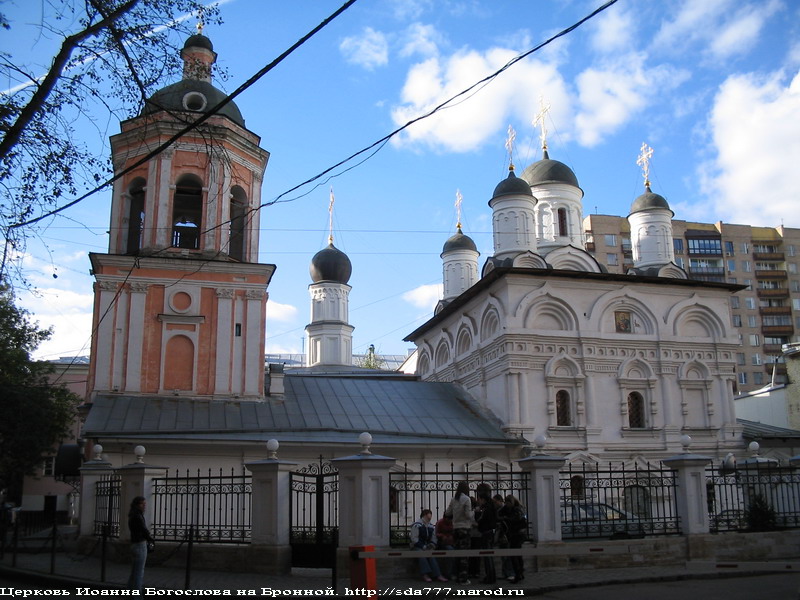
pixel 238 221
pixel 187 213
pixel 636 416
pixel 135 216
pixel 563 410
pixel 423 364
pixel 562 221
pixel 442 355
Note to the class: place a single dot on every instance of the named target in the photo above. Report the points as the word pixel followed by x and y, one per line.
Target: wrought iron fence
pixel 615 501
pixel 215 507
pixel 412 490
pixel 757 496
pixel 106 508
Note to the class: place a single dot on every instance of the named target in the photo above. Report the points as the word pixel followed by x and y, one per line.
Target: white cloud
pixel 424 296
pixel 721 28
pixel 69 314
pixel 420 39
pixel 611 94
pixel 474 118
pixel 369 51
pixel 612 31
pixel 756 136
pixel 280 312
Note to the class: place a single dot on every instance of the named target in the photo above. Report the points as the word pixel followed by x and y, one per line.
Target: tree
pixel 36 413
pixel 371 360
pixel 116 55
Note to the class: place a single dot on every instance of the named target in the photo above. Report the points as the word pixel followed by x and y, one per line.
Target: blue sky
pixel 712 86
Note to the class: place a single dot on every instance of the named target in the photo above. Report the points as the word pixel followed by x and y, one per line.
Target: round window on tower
pixel 194 101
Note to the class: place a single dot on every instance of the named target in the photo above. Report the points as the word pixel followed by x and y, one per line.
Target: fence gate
pixel 314 516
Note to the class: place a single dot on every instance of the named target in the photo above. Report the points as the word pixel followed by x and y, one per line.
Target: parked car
pixel 730 519
pixel 593 519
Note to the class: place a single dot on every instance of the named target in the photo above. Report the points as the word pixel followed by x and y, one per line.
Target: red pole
pixel 362 572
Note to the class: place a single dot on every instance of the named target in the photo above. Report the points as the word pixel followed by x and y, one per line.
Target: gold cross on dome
pixel 512 135
pixel 645 154
pixel 459 200
pixel 540 122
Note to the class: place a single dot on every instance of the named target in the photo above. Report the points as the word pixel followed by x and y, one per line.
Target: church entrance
pixel 313 515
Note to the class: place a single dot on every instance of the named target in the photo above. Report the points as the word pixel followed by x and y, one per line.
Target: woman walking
pixel 140 539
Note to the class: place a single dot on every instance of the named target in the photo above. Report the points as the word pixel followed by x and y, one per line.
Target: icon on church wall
pixel 622 320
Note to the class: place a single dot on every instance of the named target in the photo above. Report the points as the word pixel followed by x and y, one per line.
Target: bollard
pixel 362 571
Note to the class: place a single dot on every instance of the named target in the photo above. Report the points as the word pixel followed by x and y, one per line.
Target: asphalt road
pixel 762 587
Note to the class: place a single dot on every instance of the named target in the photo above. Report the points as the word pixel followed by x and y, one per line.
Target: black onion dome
pixel 191 95
pixel 549 171
pixel 330 264
pixel 198 40
pixel 649 201
pixel 459 241
pixel 512 185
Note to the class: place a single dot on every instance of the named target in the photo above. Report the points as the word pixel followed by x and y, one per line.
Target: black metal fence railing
pixel 758 496
pixel 33 522
pixel 412 490
pixel 615 501
pixel 213 507
pixel 314 514
pixel 106 509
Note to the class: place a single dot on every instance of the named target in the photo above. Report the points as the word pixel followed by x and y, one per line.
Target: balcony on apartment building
pixel 773 293
pixel 776 256
pixel 772 274
pixel 775 310
pixel 775 330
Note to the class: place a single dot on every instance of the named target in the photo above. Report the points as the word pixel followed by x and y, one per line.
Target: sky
pixel 713 86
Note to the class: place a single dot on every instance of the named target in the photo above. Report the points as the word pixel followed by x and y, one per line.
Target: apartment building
pixel 765 259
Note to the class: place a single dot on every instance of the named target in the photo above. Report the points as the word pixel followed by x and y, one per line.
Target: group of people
pixel 484 521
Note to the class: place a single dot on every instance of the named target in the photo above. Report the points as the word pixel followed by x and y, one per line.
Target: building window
pixel 792 268
pixel 742 377
pixel 792 250
pixel 732 280
pixel 610 239
pixel 737 320
pixel 745 248
pixel 238 214
pixel 563 412
pixel 679 261
pixel 740 358
pixel 48 466
pixel 731 264
pixel 729 248
pixel 750 303
pixel 705 246
pixel 755 339
pixel 562 222
pixel 135 217
pixel 756 359
pixel 636 411
pixel 612 260
pixel 677 245
pixel 751 321
pixel 758 378
pixel 749 283
pixel 746 266
pixel 734 301
pixel 795 286
pixel 795 303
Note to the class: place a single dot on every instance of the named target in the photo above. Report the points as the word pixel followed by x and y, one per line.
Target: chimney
pixel 275 380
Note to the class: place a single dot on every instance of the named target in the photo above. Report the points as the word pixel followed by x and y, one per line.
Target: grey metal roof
pixel 753 430
pixel 314 409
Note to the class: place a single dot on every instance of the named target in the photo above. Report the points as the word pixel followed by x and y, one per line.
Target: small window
pixel 758 378
pixel 746 266
pixel 610 239
pixel 756 359
pixel 731 264
pixel 737 320
pixel 734 301
pixel 612 260
pixel 745 248
pixel 195 101
pixel 237 329
pixel 729 248
pixel 742 378
pixel 636 411
pixel 677 245
pixel 792 268
pixel 751 321
pixel 563 412
pixel 755 339
pixel 740 358
pixel 562 222
pixel 48 466
pixel 750 303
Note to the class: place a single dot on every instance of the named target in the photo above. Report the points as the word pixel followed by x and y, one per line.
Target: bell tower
pixel 180 299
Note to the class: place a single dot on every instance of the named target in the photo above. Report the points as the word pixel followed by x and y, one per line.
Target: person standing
pixel 487 523
pixel 423 537
pixel 463 518
pixel 517 533
pixel 140 539
pixel 445 541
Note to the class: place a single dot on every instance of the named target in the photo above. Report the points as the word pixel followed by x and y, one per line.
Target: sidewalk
pixel 75 571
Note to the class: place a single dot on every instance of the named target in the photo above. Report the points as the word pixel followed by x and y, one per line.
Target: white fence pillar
pixel 270 502
pixel 136 480
pixel 692 496
pixel 92 471
pixel 544 498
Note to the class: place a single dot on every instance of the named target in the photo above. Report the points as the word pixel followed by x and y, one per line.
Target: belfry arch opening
pixel 135 216
pixel 187 213
pixel 238 216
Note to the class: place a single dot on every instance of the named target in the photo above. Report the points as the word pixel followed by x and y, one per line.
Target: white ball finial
pixel 686 441
pixel 540 441
pixel 272 448
pixel 365 439
pixel 753 447
pixel 139 451
pixel 97 449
